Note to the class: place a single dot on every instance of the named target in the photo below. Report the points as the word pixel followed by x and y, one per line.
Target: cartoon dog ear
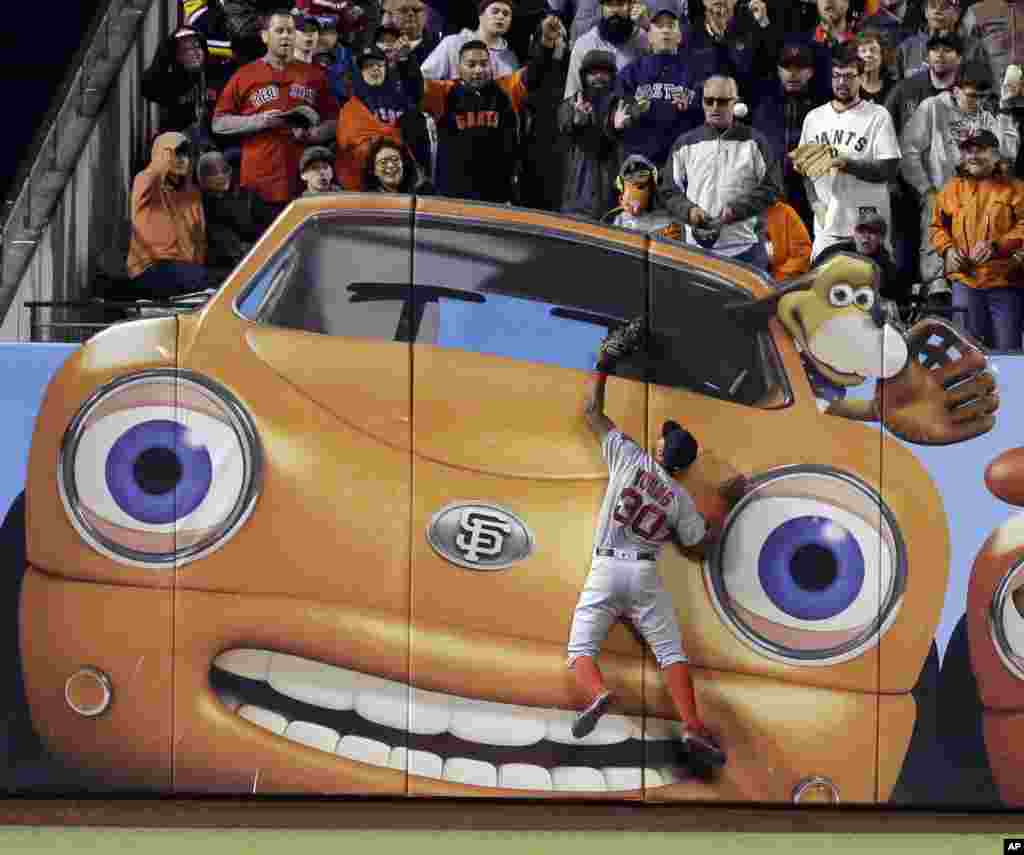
pixel 754 315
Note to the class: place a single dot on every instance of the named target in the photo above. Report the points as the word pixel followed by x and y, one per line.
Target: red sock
pixel 588 677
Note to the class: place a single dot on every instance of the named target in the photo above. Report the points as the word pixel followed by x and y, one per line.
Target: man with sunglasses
pixel 719 177
pixel 167 255
pixel 864 155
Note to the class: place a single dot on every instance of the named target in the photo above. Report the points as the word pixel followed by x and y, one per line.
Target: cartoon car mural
pixel 326 534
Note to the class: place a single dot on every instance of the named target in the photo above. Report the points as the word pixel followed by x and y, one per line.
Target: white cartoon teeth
pixel 477 773
pixel 266 719
pixel 521 776
pixel 305 680
pixel 418 712
pixel 496 724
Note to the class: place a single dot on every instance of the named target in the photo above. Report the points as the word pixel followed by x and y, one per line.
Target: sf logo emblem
pixel 479 536
pixel 482 534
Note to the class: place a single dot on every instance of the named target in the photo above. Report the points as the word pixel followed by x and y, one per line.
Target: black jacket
pixel 185 98
pixel 478 135
pixel 234 222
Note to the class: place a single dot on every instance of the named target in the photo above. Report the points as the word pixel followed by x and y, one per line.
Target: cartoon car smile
pixel 326 534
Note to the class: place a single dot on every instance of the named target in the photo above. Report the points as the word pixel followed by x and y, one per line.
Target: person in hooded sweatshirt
pixel 495 21
pixel 380 99
pixel 593 155
pixel 167 254
pixel 638 208
pixel 616 33
pixel 185 82
pixel 661 91
pixel 478 119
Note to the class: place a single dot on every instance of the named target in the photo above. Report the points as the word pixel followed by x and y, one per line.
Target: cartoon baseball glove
pixel 812 159
pixel 622 341
pixel 945 394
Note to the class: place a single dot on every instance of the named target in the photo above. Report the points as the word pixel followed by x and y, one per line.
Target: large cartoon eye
pixel 840 294
pixel 1006 621
pixel 864 298
pixel 810 568
pixel 159 468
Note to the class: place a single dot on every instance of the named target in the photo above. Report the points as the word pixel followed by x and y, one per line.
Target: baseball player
pixel 643 507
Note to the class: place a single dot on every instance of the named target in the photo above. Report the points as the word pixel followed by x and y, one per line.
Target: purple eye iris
pixel 811 568
pixel 154 475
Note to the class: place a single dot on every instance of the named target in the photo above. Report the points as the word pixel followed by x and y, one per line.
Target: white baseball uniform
pixel 642 506
pixel 864 132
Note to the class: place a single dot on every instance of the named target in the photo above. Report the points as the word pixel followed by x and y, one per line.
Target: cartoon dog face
pixel 839 325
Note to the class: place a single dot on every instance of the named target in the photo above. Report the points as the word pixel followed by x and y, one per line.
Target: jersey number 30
pixel 646 520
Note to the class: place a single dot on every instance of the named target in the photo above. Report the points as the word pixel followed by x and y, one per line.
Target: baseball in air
pixel 740 110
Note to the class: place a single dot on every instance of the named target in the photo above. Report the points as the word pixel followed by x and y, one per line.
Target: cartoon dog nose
pixel 878 313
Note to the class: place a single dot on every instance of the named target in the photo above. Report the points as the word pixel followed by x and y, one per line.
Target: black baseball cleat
pixel 587 720
pixel 702 748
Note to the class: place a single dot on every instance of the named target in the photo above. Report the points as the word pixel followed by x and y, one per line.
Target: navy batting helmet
pixel 680 446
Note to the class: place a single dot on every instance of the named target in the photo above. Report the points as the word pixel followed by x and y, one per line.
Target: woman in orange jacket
pixel 977 226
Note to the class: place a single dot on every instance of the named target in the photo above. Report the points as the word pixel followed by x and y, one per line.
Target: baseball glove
pixel 621 341
pixel 947 392
pixel 812 159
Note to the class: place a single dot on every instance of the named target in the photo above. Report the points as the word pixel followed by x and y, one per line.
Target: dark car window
pixel 524 295
pixel 340 277
pixel 696 343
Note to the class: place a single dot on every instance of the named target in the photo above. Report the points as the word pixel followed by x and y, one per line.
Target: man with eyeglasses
pixel 167 255
pixel 409 17
pixel 719 177
pixel 864 154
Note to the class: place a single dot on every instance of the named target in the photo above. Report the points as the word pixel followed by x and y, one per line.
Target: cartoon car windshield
pixel 491 293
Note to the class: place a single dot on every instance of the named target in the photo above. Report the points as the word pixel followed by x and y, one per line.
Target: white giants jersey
pixel 643 503
pixel 864 132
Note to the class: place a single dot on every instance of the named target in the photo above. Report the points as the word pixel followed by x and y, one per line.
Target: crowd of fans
pixel 774 132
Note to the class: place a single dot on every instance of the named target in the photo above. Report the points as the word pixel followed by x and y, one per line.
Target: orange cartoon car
pixel 326 534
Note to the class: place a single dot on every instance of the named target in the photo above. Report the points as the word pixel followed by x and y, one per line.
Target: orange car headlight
pixel 159 468
pixel 811 568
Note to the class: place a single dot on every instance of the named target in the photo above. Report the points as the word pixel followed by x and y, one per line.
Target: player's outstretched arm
pixel 597 421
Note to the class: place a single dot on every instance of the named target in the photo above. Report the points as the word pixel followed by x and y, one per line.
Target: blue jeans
pixel 167 279
pixel 994 315
pixel 757 255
